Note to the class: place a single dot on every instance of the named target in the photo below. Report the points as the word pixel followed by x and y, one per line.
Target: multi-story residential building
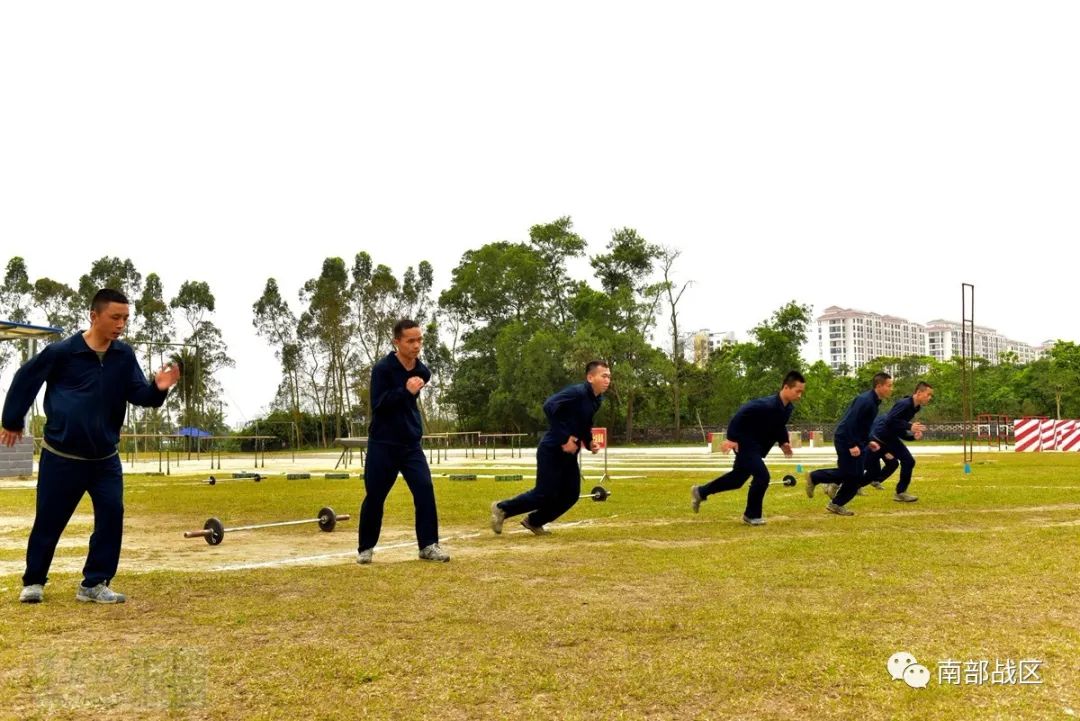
pixel 944 341
pixel 850 338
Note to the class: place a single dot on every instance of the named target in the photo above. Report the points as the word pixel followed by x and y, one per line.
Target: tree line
pixel 161 330
pixel 511 327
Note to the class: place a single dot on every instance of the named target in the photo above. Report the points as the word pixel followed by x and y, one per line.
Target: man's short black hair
pixel 792 378
pixel 403 325
pixel 880 378
pixel 105 296
pixel 921 385
pixel 594 364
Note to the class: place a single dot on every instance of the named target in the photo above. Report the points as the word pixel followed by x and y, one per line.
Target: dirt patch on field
pixel 150 549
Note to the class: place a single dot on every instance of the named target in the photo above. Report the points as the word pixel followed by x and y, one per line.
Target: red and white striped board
pixel 1068 436
pixel 1027 432
pixel 1048 434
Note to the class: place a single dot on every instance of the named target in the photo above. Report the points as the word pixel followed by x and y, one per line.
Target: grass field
pixel 633 608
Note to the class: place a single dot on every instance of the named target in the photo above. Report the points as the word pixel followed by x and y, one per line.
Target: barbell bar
pixel 213 531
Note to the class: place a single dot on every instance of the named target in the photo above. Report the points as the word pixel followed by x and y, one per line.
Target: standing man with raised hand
pixel 570 415
pixel 753 430
pixel 889 432
pixel 89 379
pixel 851 440
pixel 394 445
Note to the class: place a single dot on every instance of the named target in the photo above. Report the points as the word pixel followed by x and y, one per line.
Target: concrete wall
pixel 17 460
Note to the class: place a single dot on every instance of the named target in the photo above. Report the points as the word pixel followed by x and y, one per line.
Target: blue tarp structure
pixel 10 330
pixel 194 432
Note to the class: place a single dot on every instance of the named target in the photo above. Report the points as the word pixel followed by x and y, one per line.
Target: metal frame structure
pixel 967 369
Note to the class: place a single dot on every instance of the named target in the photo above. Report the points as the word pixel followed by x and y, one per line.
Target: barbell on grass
pixel 213 531
pixel 789 480
pixel 598 493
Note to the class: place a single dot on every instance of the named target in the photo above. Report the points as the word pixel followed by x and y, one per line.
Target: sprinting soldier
pixel 393 447
pixel 570 415
pixel 89 379
pixel 753 430
pixel 889 432
pixel 851 441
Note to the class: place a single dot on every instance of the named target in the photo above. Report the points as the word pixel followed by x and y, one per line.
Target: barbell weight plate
pixel 212 480
pixel 217 531
pixel 327 519
pixel 789 480
pixel 599 493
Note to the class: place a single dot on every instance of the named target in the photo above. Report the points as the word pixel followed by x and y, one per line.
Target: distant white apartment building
pixel 699 345
pixel 851 338
pixel 944 341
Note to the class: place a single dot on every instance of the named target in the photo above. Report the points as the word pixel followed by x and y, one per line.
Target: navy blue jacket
pixel 854 428
pixel 896 423
pixel 395 417
pixel 760 423
pixel 85 397
pixel 570 413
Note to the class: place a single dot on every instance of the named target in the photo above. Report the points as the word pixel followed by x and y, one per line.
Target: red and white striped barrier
pixel 1027 432
pixel 1046 434
pixel 1068 436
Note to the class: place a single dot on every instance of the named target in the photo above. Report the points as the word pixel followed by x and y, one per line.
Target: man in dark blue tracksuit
pixel 753 430
pixel 570 415
pixel 852 440
pixel 890 431
pixel 394 446
pixel 89 379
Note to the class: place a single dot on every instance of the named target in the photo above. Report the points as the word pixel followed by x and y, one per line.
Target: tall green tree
pixel 674 294
pixel 156 326
pixel 326 329
pixel 555 243
pixel 496 288
pixel 204 354
pixel 16 292
pixel 60 303
pixel 776 349
pixel 15 300
pixel 275 322
pixel 621 318
pixel 110 272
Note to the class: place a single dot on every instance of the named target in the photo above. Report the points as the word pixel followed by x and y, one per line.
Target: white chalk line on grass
pixel 386 547
pixel 897 514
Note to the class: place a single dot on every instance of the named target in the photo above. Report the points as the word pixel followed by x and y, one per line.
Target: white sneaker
pixel 434 553
pixel 537 530
pixel 498 515
pixel 34 593
pixel 364 557
pixel 839 510
pixel 753 521
pixel 831 489
pixel 695 499
pixel 99 594
pixel 905 498
pixel 877 485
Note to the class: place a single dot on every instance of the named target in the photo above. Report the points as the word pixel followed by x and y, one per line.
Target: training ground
pixel 632 608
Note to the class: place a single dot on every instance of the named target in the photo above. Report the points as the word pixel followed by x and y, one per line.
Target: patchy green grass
pixel 639 610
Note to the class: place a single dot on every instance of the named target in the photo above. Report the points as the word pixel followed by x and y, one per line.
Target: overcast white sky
pixel 862 154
